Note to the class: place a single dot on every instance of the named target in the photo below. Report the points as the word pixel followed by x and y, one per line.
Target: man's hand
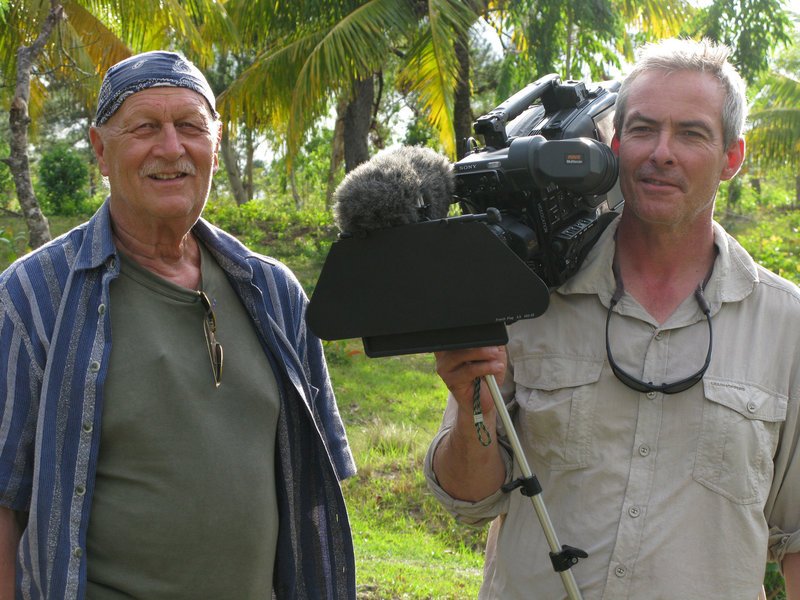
pixel 459 369
pixel 464 467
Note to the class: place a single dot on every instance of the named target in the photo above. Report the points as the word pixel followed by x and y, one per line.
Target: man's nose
pixel 170 145
pixel 663 151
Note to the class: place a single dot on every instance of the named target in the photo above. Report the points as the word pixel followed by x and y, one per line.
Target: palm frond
pixel 431 70
pixel 293 82
pixel 773 136
pixel 656 18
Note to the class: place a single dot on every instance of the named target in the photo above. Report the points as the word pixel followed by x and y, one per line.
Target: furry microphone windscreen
pixel 397 186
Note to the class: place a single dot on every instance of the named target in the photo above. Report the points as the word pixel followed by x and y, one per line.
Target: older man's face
pixel 159 152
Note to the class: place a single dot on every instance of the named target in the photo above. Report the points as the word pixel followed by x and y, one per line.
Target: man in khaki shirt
pixel 660 416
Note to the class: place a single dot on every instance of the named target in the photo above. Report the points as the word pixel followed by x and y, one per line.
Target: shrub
pixel 63 180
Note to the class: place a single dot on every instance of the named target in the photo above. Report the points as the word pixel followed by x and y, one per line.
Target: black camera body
pixel 535 198
pixel 547 166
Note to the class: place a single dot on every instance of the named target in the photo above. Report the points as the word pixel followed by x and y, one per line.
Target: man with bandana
pixel 168 428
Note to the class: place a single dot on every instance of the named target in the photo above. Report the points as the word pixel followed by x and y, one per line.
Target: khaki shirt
pixel 673 496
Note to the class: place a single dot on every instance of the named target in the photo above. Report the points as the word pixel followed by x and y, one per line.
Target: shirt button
pixel 87 427
pixel 634 511
pixel 80 490
pixel 651 395
pixel 752 407
pixel 77 552
pixel 644 450
pixel 659 335
pixel 101 310
pixel 94 366
pixel 620 571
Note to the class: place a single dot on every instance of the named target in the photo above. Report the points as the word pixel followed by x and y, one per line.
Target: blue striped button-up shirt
pixel 55 343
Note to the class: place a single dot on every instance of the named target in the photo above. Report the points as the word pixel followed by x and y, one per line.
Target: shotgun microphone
pixel 398 186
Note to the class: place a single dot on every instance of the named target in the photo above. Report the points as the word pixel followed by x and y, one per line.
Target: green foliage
pixel 775 243
pixel 13 244
pixel 300 238
pixel 63 181
pixel 752 28
pixel 764 222
pixel 407 546
pixel 773 583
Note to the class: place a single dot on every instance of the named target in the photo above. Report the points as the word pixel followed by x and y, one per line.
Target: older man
pixel 677 468
pixel 167 425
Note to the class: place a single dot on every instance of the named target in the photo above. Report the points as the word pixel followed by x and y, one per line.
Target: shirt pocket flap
pixel 551 373
pixel 747 400
pixel 556 397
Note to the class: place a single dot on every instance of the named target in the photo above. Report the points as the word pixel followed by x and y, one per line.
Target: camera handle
pixel 562 557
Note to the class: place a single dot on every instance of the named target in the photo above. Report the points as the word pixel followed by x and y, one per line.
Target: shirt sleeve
pixel 482 511
pixel 292 300
pixel 783 516
pixel 470 513
pixel 21 360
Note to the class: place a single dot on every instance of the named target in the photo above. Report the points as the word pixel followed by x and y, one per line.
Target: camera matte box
pixel 424 287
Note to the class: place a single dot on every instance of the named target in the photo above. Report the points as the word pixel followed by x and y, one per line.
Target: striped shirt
pixel 55 343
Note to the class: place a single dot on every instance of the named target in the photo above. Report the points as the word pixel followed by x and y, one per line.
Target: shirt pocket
pixel 738 438
pixel 556 396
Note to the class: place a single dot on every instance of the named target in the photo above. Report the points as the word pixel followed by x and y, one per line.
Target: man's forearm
pixel 9 540
pixel 465 468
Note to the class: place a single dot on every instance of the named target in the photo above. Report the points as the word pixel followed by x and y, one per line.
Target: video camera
pixel 406 278
pixel 547 167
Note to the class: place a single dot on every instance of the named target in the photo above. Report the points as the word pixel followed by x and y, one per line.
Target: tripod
pixel 562 557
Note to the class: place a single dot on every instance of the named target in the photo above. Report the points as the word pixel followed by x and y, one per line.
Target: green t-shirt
pixel 184 504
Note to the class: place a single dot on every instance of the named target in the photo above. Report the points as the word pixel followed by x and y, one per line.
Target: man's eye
pixel 190 127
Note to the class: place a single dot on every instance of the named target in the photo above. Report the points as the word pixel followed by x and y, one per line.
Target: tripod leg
pixel 567 578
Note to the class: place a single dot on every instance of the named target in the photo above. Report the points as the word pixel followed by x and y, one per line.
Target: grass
pixel 407 547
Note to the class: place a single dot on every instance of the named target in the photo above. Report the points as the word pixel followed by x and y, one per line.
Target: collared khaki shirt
pixel 681 496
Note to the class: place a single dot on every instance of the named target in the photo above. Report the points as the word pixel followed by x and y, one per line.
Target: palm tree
pixel 317 50
pixel 77 41
pixel 578 38
pixel 774 135
pixel 773 139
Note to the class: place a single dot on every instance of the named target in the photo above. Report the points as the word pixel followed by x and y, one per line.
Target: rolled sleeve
pixel 470 513
pixel 782 543
pixel 781 510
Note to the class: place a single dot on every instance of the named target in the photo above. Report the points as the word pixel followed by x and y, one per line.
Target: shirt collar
pixel 734 276
pixel 98 245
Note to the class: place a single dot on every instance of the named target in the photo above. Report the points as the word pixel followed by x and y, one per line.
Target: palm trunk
pixel 358 118
pixel 18 120
pixel 230 159
pixel 461 105
pixel 337 150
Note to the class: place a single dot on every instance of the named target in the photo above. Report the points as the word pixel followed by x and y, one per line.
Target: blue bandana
pixel 149 69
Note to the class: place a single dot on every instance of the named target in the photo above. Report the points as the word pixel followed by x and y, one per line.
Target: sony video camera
pixel 547 167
